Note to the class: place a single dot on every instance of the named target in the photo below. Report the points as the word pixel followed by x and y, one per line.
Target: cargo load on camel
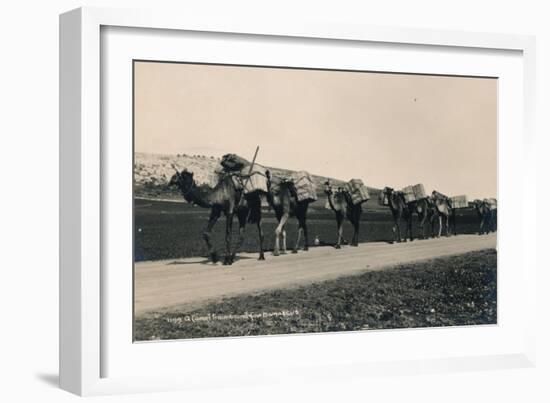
pixel 492 202
pixel 414 193
pixel 357 190
pixel 255 180
pixel 251 180
pixel 439 196
pixel 305 187
pixel 459 201
pixel 233 163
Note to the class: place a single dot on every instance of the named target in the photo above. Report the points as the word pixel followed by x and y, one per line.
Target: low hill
pixel 153 171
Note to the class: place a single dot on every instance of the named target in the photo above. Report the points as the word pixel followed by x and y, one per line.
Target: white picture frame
pixel 83 339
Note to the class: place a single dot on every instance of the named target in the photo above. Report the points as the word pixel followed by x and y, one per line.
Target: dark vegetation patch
pixel 451 291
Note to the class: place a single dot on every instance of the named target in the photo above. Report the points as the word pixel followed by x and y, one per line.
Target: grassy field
pixel 166 230
pixel 452 291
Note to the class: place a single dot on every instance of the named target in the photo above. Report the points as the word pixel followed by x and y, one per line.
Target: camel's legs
pixel 339 230
pixel 214 216
pixel 440 225
pixel 410 228
pixel 278 232
pixel 454 221
pixel 422 224
pixel 306 238
pixel 397 228
pixel 300 230
pixel 355 241
pixel 481 225
pixel 242 225
pixel 228 230
pixel 303 224
pixel 283 235
pixel 261 235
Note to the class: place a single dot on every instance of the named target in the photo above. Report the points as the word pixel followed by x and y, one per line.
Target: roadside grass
pixel 452 291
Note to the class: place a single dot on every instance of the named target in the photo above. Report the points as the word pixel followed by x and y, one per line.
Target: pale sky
pixel 386 129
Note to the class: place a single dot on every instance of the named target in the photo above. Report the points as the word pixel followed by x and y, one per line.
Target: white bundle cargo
pixel 250 181
pixel 357 190
pixel 419 192
pixel 459 201
pixel 439 196
pixel 255 181
pixel 492 203
pixel 414 192
pixel 408 193
pixel 305 188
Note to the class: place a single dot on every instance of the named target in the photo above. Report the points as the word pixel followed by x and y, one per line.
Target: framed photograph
pixel 243 202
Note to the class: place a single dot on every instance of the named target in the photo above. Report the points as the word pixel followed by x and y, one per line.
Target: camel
pixel 493 220
pixel 426 211
pixel 340 202
pixel 493 214
pixel 284 201
pixel 442 211
pixel 484 214
pixel 223 198
pixel 400 211
pixel 452 216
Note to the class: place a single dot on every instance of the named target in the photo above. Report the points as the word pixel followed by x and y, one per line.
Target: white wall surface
pixel 29 201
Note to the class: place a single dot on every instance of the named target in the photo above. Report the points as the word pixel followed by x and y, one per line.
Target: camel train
pixel 432 210
pixel 239 191
pixel 242 186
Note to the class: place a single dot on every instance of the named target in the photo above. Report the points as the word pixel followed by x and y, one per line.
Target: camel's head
pixel 183 180
pixel 328 188
pixel 385 196
pixel 479 204
pixel 439 197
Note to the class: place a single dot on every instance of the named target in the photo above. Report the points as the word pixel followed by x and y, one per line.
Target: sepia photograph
pixel 275 200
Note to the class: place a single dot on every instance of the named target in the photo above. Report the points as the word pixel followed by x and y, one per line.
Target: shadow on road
pixel 205 261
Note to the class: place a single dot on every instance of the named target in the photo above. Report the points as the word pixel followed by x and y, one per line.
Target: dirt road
pixel 161 285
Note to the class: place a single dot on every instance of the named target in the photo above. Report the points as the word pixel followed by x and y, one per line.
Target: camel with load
pixel 342 204
pixel 283 199
pixel 227 198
